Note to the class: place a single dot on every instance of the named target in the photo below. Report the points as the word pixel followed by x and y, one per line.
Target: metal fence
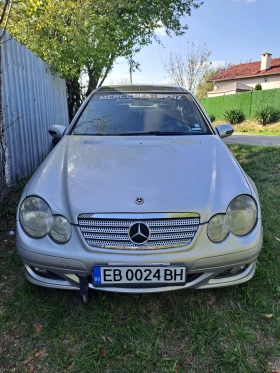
pixel 33 99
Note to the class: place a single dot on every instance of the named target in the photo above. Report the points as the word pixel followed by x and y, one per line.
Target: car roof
pixel 141 88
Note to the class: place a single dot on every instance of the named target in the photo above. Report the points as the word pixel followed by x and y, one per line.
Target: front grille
pixel 114 233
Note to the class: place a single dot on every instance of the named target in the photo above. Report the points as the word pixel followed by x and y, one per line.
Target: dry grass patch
pixel 254 127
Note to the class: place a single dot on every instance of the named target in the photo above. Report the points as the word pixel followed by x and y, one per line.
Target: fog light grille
pixel 47 274
pixel 232 272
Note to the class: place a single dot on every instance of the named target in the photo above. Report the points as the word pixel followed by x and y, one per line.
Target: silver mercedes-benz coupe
pixel 139 195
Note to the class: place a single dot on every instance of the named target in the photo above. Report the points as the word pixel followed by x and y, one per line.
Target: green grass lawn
pixel 233 329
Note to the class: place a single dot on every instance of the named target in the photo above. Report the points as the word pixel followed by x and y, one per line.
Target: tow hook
pixel 84 291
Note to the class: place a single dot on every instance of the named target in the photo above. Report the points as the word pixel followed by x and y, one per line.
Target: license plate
pixel 111 275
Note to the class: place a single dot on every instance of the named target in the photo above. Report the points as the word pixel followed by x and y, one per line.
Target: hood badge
pixel 139 201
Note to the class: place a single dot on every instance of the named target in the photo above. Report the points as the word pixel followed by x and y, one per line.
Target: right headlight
pixel 35 217
pixel 240 219
pixel 37 221
pixel 61 229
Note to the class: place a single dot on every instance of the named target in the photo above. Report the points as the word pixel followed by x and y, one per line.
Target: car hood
pixel 174 174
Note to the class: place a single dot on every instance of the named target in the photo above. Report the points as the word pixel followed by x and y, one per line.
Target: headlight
pixel 35 217
pixel 241 215
pixel 217 228
pixel 240 219
pixel 61 229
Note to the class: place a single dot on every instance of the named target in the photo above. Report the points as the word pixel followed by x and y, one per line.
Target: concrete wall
pixel 221 94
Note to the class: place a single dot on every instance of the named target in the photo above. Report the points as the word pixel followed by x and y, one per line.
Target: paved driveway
pixel 261 140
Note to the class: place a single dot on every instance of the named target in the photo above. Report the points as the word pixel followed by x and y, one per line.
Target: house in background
pixel 245 76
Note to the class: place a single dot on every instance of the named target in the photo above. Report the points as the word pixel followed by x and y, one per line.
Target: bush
pixel 234 116
pixel 258 87
pixel 212 117
pixel 267 114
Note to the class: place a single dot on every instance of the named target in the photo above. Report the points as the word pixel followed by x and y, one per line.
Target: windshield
pixel 141 114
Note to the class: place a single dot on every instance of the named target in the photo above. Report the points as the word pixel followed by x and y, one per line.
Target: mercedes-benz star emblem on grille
pixel 139 200
pixel 139 233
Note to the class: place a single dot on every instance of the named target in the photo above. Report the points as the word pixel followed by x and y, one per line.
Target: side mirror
pixel 224 130
pixel 57 131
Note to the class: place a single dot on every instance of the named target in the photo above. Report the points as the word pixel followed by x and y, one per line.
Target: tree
pixel 205 83
pixel 185 68
pixel 86 36
pixel 258 87
pixel 6 7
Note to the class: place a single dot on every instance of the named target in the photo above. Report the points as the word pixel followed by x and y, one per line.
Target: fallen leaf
pixel 212 300
pixel 275 371
pixel 38 328
pixel 28 360
pixel 69 366
pixel 39 353
pixel 268 316
pixel 104 353
pixel 31 369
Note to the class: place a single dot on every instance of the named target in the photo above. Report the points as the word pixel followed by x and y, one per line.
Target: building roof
pixel 248 70
pixel 141 88
pixel 235 86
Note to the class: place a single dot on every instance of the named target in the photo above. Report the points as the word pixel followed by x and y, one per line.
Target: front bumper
pixel 203 259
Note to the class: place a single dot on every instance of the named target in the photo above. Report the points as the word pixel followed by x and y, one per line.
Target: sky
pixel 235 31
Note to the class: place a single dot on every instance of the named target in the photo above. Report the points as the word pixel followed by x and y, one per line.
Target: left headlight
pixel 241 215
pixel 35 217
pixel 239 219
pixel 217 228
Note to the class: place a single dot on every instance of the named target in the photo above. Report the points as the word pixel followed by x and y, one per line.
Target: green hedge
pixel 247 102
pixel 270 97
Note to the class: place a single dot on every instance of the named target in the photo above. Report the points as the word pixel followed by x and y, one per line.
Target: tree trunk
pixel 3 147
pixel 73 96
pixel 92 81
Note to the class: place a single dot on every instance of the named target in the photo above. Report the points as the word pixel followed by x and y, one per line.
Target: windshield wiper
pixel 156 133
